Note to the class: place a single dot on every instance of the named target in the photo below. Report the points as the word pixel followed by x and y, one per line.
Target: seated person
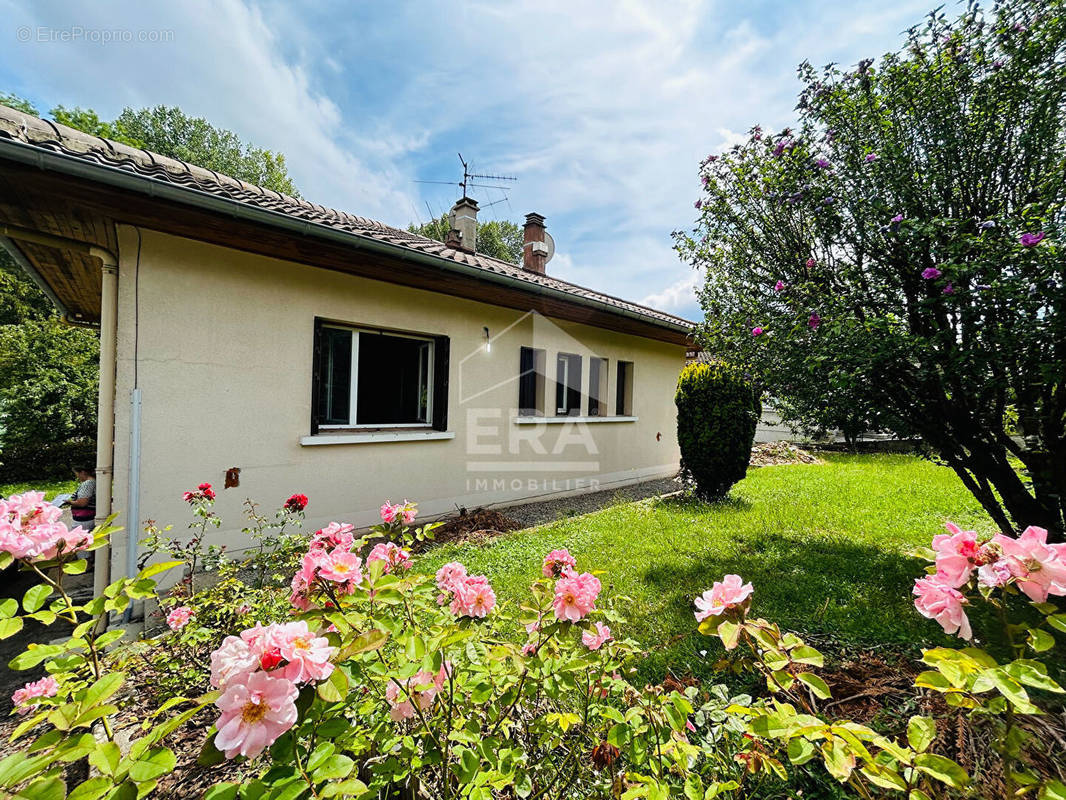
pixel 83 503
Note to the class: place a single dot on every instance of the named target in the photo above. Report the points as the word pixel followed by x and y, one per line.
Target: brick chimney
pixel 463 221
pixel 534 249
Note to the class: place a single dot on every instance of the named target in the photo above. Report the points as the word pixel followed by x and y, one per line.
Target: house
pixel 320 352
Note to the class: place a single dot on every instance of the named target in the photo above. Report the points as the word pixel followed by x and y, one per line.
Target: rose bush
pixel 364 678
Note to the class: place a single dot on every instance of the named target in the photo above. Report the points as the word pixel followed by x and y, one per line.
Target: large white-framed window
pixel 567 385
pixel 366 378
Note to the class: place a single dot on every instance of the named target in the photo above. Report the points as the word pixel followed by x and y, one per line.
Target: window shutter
pixel 316 377
pixel 527 381
pixel 440 382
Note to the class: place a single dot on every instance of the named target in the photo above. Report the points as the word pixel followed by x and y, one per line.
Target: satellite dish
pixel 548 240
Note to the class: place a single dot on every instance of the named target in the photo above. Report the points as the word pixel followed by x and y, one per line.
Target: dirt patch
pixel 479 526
pixel 772 454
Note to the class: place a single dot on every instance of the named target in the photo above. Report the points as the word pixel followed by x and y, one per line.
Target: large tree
pixel 901 248
pixel 49 370
pixel 497 238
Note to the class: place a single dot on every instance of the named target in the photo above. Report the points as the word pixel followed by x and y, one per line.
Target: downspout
pixel 105 422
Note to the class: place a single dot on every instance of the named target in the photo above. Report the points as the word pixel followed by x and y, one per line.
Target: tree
pixel 497 238
pixel 905 243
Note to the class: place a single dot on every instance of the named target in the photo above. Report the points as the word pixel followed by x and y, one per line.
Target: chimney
pixel 463 221
pixel 534 249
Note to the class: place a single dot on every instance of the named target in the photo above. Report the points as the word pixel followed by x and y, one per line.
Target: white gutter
pixel 105 422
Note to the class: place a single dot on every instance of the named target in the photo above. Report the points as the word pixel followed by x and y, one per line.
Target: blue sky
pixel 603 110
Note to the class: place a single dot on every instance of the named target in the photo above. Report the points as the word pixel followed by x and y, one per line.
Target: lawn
pixel 50 487
pixel 825 546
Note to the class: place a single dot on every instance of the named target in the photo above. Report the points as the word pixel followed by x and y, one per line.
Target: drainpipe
pixel 105 424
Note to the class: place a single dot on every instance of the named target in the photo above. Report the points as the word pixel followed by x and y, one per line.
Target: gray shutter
pixel 440 382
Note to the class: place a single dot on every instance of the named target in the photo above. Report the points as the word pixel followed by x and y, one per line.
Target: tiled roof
pixel 46 135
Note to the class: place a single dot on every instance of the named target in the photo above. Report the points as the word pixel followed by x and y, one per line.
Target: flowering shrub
pixel 966 569
pixel 366 679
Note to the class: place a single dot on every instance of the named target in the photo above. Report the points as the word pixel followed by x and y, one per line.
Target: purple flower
pixel 779 149
pixel 871 157
pixel 931 273
pixel 814 321
pixel 779 286
pixel 706 181
pixel 810 263
pixel 896 220
pixel 949 289
pixel 988 224
pixel 997 64
pixel 698 204
pixel 822 163
pixel 829 200
pixel 756 331
pixel 830 134
pixel 1032 239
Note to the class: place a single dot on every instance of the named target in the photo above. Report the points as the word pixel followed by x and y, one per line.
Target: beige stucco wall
pixel 223 343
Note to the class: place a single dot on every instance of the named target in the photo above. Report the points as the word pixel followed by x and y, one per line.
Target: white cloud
pixel 602 108
pixel 680 296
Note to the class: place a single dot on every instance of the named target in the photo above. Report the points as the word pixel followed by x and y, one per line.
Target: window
pixel 598 387
pixel 373 379
pixel 568 385
pixel 531 382
pixel 623 402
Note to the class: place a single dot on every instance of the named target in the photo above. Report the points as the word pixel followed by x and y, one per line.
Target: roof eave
pixel 119 178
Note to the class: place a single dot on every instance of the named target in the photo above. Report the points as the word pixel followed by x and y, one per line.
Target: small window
pixel 598 387
pixel 373 379
pixel 623 403
pixel 568 385
pixel 531 382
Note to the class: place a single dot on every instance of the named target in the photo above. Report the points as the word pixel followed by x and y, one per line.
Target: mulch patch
pixel 773 454
pixel 477 527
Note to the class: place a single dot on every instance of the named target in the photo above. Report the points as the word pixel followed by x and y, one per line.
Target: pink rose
pixel 556 561
pixel 234 660
pixel 594 640
pixel 936 599
pixel 179 617
pixel 391 554
pixel 45 687
pixel 473 597
pixel 255 712
pixel 575 596
pixel 334 535
pixel 730 592
pixel 449 576
pixel 1038 567
pixel 957 554
pixel 342 566
pixel 308 656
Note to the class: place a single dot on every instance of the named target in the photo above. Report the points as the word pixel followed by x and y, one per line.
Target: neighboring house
pixel 324 353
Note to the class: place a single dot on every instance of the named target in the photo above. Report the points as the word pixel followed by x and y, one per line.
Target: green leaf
pixel 839 760
pixel 336 767
pixel 807 655
pixel 1052 790
pixel 10 626
pixel 106 757
pixel 1032 673
pixel 364 643
pixel 76 567
pixel 885 777
pixel 153 764
pixel 352 787
pixel 210 755
pixel 103 689
pixel 35 597
pixel 921 731
pixel 816 684
pixel 33 656
pixel 222 791
pixel 1011 689
pixel 729 633
pixel 154 569
pixel 1040 640
pixel 92 789
pixel 334 688
pixel 1058 622
pixel 52 788
pixel 800 750
pixel 943 769
pixel 8 607
pixel 932 680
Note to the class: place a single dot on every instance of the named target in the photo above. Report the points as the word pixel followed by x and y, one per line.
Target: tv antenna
pixel 469 177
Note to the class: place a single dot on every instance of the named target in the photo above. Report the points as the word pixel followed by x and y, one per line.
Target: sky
pixel 601 110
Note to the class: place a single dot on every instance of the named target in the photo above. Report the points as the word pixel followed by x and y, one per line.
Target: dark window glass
pixel 335 373
pixel 530 381
pixel 623 401
pixel 568 385
pixel 393 386
pixel 597 387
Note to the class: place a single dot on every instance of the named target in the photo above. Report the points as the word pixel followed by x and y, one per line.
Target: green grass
pixel 50 487
pixel 824 545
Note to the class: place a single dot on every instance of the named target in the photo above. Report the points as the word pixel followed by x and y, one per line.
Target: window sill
pixel 370 437
pixel 562 420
